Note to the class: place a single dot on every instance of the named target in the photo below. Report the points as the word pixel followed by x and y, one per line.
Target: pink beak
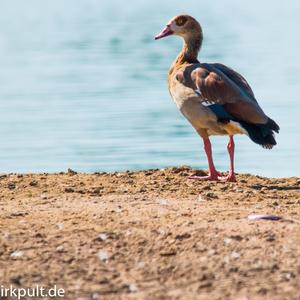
pixel 167 31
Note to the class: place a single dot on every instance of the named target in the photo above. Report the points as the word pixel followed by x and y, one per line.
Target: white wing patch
pixel 207 103
pixel 198 92
pixel 204 102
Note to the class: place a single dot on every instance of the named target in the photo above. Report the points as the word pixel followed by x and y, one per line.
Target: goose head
pixel 184 26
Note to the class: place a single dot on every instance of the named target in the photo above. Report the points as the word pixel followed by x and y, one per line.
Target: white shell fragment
pixel 264 217
pixel 17 254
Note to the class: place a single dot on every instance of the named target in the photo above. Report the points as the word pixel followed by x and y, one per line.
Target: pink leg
pixel 213 173
pixel 230 147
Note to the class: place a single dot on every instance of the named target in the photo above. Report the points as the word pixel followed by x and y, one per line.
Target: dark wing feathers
pixel 224 86
pixel 236 77
pixel 231 98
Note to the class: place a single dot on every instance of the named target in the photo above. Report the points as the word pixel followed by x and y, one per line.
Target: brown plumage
pixel 214 98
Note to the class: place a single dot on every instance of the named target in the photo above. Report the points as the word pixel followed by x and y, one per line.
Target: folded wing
pixel 229 91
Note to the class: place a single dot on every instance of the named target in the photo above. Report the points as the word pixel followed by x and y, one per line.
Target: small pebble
pixel 71 172
pixel 11 185
pixel 60 226
pixel 95 296
pixel 227 241
pixel 201 198
pixel 141 265
pixel 102 237
pixel 103 256
pixel 60 248
pixel 235 254
pixel 163 202
pixel 132 288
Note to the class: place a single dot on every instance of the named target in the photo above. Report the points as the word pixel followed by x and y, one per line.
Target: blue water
pixel 83 83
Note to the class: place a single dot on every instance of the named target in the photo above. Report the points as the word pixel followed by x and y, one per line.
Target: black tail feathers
pixel 262 134
pixel 273 125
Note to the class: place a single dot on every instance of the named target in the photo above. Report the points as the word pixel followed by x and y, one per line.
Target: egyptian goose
pixel 215 99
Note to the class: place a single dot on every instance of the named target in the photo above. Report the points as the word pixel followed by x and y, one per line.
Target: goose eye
pixel 181 21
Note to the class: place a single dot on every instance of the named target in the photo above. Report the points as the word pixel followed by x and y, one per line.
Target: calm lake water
pixel 83 83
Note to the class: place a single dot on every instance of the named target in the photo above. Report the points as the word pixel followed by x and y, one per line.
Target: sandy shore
pixel 150 235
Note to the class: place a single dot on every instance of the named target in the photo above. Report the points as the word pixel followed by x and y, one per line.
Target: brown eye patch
pixel 180 21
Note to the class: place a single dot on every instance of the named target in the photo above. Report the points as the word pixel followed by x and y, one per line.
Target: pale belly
pixel 200 116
